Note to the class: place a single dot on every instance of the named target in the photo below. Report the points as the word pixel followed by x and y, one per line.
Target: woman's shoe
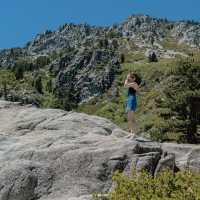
pixel 131 135
pixel 132 132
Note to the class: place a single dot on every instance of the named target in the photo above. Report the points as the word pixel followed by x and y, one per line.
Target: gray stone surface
pixel 187 156
pixel 87 74
pixel 48 154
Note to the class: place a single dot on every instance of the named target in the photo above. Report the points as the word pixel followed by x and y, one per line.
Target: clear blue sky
pixel 21 20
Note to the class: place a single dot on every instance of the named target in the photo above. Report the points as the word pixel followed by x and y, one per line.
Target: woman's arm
pixel 126 83
pixel 133 85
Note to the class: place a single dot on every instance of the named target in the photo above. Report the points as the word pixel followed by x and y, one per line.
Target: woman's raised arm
pixel 133 85
pixel 126 83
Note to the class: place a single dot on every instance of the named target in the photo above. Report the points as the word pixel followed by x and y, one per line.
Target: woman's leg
pixel 131 121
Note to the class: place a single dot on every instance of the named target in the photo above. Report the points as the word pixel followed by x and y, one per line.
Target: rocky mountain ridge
pixel 142 29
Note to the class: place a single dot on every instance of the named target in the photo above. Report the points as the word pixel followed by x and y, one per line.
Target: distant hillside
pixel 83 67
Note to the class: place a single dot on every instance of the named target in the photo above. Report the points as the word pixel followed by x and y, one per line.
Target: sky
pixel 21 20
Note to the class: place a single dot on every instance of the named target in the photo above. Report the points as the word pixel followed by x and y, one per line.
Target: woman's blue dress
pixel 131 103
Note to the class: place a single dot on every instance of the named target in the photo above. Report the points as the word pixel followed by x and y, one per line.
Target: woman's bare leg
pixel 131 121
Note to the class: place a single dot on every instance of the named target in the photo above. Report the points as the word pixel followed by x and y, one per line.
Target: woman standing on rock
pixel 132 82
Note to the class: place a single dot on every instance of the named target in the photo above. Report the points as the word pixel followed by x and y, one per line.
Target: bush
pixel 184 185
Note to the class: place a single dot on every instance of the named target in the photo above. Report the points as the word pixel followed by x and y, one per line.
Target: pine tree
pixel 153 57
pixel 38 84
pixel 181 87
pixel 7 82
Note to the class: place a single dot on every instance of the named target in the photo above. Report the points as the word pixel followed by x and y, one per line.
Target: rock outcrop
pixel 87 74
pixel 48 154
pixel 139 28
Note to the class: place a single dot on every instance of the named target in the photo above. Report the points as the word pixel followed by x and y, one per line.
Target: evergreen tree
pixel 49 86
pixel 38 84
pixel 20 67
pixel 122 58
pixel 181 87
pixel 153 57
pixel 42 61
pixel 19 72
pixel 7 82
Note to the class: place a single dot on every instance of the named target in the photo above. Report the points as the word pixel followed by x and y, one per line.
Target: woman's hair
pixel 133 75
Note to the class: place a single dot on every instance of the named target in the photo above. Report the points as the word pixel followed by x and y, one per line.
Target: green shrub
pixel 183 185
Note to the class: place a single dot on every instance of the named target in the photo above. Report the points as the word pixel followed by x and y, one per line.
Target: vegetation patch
pixel 183 185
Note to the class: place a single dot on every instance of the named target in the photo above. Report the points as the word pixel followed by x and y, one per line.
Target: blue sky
pixel 21 20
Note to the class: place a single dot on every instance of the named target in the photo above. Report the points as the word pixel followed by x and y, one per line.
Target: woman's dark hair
pixel 138 80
